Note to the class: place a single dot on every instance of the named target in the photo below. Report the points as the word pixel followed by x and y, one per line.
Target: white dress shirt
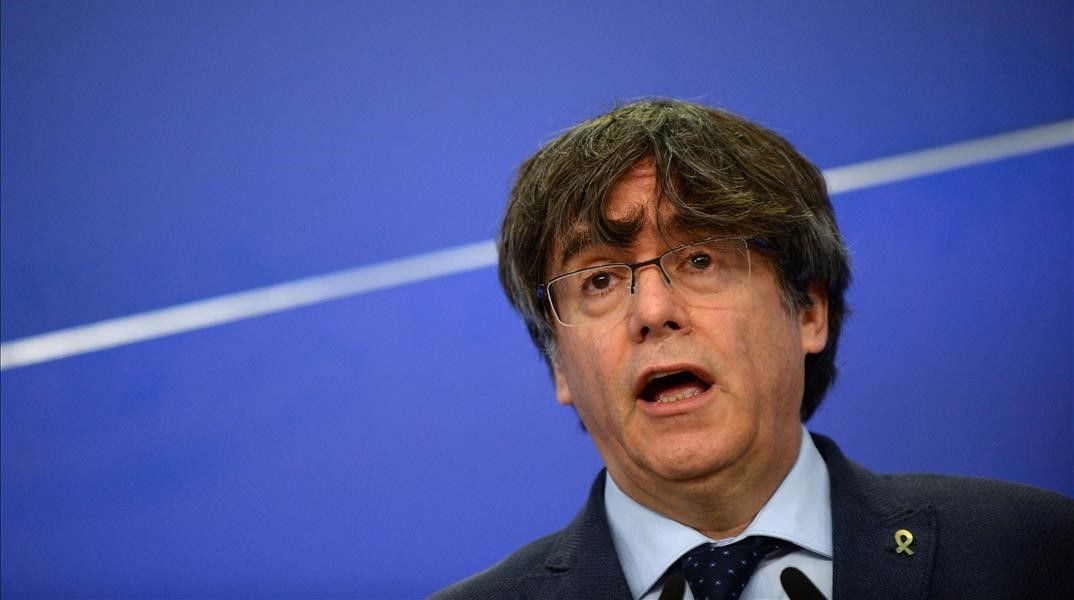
pixel 799 511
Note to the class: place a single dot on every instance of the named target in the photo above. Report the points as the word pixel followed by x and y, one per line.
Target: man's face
pixel 731 414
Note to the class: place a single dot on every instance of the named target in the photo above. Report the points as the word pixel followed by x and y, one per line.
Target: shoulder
pixel 978 538
pixel 500 580
pixel 967 505
pixel 578 561
pixel 999 538
pixel 987 508
pixel 982 496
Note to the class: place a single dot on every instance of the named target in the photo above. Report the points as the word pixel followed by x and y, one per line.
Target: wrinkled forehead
pixel 619 227
pixel 636 202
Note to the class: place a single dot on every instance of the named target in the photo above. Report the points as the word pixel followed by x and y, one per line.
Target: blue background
pixel 387 444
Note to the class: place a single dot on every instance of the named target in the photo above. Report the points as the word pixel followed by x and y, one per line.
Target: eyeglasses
pixel 596 294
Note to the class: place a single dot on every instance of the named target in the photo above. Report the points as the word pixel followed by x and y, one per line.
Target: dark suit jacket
pixel 972 538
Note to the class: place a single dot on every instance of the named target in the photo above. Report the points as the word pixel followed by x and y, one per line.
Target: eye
pixel 699 260
pixel 599 281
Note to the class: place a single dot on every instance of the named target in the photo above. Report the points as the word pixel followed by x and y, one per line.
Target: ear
pixel 813 320
pixel 563 390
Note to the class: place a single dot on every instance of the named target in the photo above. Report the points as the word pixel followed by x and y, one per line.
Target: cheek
pixel 768 349
pixel 594 371
pixel 583 369
pixel 605 335
pixel 597 354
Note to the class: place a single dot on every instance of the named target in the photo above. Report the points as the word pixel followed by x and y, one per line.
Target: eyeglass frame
pixel 544 295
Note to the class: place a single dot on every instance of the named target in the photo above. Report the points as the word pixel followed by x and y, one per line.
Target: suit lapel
pixel 869 524
pixel 583 562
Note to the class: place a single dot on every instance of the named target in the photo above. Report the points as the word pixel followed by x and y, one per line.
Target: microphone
pixel 674 587
pixel 798 586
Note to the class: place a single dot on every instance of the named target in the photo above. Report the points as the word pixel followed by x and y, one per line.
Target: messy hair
pixel 716 171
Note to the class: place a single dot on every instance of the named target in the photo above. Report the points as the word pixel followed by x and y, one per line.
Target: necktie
pixel 721 572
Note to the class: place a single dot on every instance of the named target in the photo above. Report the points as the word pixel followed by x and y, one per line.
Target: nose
pixel 657 309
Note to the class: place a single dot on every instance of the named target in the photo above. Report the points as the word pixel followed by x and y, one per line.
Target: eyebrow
pixel 575 243
pixel 580 240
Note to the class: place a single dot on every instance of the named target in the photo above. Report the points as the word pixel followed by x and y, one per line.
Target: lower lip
pixel 679 407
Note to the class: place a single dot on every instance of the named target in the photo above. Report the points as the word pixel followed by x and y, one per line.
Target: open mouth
pixel 663 388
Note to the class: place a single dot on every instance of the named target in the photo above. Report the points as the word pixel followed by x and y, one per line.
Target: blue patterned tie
pixel 721 572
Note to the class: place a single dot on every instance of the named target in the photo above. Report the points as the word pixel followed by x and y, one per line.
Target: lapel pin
pixel 904 538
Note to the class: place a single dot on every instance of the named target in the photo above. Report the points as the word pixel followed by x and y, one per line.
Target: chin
pixel 684 463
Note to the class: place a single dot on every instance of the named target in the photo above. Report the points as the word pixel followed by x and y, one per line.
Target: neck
pixel 720 504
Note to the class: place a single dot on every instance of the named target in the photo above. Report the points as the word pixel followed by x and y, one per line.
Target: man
pixel 681 270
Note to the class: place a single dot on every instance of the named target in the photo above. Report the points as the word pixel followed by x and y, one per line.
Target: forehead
pixel 633 205
pixel 634 196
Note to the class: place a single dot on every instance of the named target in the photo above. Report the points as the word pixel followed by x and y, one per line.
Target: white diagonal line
pixel 311 290
pixel 945 158
pixel 243 305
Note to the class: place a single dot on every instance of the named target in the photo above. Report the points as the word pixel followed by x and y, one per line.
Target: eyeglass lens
pixel 696 270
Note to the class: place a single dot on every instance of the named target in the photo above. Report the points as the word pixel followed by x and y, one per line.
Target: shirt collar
pixel 799 511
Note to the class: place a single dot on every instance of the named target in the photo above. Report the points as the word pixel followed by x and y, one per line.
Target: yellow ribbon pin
pixel 904 538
